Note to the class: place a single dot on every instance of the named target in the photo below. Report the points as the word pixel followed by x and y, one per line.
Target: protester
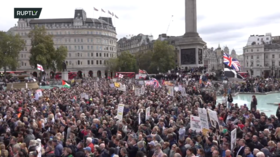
pixel 85 121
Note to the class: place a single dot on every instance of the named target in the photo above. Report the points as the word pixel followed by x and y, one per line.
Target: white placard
pixel 137 91
pixel 139 118
pixel 203 118
pixel 142 90
pixel 233 139
pixel 213 118
pixel 195 124
pixel 39 93
pixel 120 111
pixel 122 87
pixel 83 95
pixel 148 113
pixel 170 90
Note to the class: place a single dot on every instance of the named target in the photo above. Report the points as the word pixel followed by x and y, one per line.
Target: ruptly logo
pixel 27 12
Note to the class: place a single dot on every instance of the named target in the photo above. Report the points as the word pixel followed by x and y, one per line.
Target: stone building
pixel 90 42
pixel 135 44
pixel 262 55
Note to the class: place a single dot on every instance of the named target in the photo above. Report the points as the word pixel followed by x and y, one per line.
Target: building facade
pixel 262 55
pixel 135 44
pixel 90 42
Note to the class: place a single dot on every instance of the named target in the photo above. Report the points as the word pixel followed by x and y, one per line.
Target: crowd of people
pixel 82 121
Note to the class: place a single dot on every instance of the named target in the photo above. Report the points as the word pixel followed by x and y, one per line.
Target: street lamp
pixel 272 70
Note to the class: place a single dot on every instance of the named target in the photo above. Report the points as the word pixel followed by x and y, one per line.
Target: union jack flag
pixel 156 83
pixel 232 63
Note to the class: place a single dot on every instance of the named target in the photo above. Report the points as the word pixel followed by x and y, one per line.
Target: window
pixel 69 54
pixel 65 40
pixel 252 57
pixel 96 54
pixel 87 40
pixel 88 54
pixel 75 47
pixel 92 47
pixel 247 57
pixel 279 63
pixel 100 55
pixel 97 62
pixel 88 62
pixel 78 62
pixel 74 40
pixel 91 40
pixel 251 50
pixel 78 40
pixel 82 47
pixel 78 54
pixel 81 40
pixel 88 47
pixel 100 62
pixel 78 47
pixel 92 62
pixel 91 54
pixel 257 57
pixel 272 55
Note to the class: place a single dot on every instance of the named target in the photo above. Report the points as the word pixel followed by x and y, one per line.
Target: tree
pixel 127 62
pixel 113 64
pixel 144 60
pixel 10 46
pixel 43 52
pixel 163 58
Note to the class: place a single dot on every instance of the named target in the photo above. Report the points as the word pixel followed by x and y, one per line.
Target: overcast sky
pixel 225 22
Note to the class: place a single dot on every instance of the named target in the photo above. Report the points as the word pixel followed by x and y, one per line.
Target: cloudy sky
pixel 225 22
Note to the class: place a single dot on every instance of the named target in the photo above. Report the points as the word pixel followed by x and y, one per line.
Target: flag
pixel 141 71
pixel 232 63
pixel 156 83
pixel 95 9
pixel 109 12
pixel 120 76
pixel 116 16
pixel 112 14
pixel 65 84
pixel 102 10
pixel 40 67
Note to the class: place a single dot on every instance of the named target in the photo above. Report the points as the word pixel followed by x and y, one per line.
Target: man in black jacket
pixel 132 149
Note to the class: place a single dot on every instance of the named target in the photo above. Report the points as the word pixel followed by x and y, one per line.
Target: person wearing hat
pixel 88 151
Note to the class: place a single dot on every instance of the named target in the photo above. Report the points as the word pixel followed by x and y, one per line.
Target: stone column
pixel 190 16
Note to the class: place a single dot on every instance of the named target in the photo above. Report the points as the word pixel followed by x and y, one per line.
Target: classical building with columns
pixel 90 42
pixel 262 55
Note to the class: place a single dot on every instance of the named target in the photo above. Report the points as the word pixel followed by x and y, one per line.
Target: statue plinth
pixel 64 75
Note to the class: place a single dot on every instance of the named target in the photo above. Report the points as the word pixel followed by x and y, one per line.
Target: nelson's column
pixel 190 45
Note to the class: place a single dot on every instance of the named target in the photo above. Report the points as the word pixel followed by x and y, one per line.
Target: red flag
pixel 102 10
pixel 116 16
pixel 95 9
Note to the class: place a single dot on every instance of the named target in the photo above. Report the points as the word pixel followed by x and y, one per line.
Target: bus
pixel 71 75
pixel 14 72
pixel 244 74
pixel 125 74
pixel 229 73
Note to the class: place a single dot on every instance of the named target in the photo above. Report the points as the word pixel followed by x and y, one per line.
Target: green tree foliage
pixel 113 64
pixel 163 58
pixel 10 46
pixel 43 52
pixel 125 62
pixel 144 60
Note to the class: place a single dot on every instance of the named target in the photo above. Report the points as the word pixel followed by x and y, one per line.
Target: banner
pixel 122 87
pixel 170 90
pixel 233 139
pixel 117 85
pixel 203 120
pixel 120 112
pixel 195 124
pixel 168 83
pixel 213 118
pixel 142 90
pixel 148 113
pixel 137 91
pixel 39 93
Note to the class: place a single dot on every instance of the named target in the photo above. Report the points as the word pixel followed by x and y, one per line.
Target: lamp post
pixel 272 70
